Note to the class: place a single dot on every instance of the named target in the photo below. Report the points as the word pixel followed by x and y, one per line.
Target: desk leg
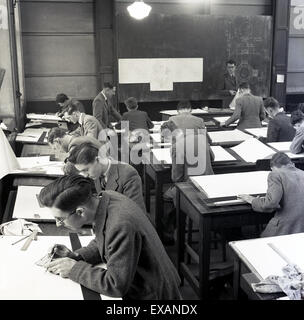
pixel 181 222
pixel 204 256
pixel 236 277
pixel 147 189
pixel 159 206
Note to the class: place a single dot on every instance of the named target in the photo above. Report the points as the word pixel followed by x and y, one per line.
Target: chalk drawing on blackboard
pixel 160 73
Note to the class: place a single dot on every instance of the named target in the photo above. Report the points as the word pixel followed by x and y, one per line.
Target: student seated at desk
pixel 249 110
pixel 137 119
pixel 107 173
pixel 280 128
pixel 63 142
pixel 191 156
pixel 138 266
pixel 184 119
pixel 297 120
pixel 285 194
pixel 62 100
pixel 301 106
pixel 89 125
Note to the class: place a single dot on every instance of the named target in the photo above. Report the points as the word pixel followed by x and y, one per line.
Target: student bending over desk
pixel 184 119
pixel 297 120
pixel 280 128
pixel 89 125
pixel 249 110
pixel 285 194
pixel 107 173
pixel 138 266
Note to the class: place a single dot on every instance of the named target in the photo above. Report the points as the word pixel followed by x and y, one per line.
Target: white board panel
pixel 228 136
pixel 258 132
pixel 232 184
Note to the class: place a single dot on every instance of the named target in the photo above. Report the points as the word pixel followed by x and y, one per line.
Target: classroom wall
pixel 6 93
pixel 59 50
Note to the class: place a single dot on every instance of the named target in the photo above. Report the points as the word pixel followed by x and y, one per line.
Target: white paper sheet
pixel 8 160
pixel 223 119
pixel 46 117
pixel 258 132
pixel 265 260
pixel 220 154
pixel 280 146
pixel 252 150
pixel 156 137
pixel 49 168
pixel 174 112
pixel 21 279
pixel 163 154
pixel 232 184
pixel 228 136
pixel 27 205
pixel 30 162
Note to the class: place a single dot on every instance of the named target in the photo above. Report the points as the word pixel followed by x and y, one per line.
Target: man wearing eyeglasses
pixel 138 266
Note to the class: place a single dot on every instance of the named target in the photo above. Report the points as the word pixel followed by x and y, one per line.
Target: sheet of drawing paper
pixel 228 136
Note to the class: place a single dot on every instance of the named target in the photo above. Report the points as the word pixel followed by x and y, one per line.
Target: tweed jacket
pixel 280 129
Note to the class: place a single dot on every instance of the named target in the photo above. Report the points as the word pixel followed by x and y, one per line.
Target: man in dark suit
pixel 230 83
pixel 89 125
pixel 297 120
pixel 102 107
pixel 285 195
pixel 107 173
pixel 137 119
pixel 138 266
pixel 279 127
pixel 249 110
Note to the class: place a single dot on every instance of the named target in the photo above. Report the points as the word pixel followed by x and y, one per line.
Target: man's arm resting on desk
pixel 123 247
pixel 236 114
pixel 297 142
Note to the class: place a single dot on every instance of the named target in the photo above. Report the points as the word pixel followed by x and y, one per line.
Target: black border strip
pixel 88 294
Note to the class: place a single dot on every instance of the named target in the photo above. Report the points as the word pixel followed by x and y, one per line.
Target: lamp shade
pixel 139 10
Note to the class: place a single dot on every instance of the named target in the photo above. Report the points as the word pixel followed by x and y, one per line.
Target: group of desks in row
pixel 192 203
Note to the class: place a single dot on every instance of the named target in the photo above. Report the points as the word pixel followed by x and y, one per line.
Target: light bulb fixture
pixel 139 10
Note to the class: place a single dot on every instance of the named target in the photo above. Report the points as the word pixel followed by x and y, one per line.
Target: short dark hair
pixel 169 125
pixel 66 193
pixel 84 153
pixel 271 103
pixel 131 103
pixel 108 85
pixel 56 133
pixel 296 117
pixel 61 98
pixel 279 159
pixel 72 107
pixel 230 61
pixel 244 85
pixel 184 104
pixel 301 106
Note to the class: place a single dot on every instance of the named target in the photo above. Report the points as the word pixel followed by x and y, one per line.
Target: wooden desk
pixel 190 202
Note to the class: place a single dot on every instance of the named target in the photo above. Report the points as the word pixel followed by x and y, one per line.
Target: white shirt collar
pixel 81 119
pixel 104 96
pixel 107 171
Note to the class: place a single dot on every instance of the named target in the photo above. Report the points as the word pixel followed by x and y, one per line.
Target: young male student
pixel 297 120
pixel 184 119
pixel 279 127
pixel 249 110
pixel 285 194
pixel 102 107
pixel 63 142
pixel 89 125
pixel 137 119
pixel 191 156
pixel 107 173
pixel 138 266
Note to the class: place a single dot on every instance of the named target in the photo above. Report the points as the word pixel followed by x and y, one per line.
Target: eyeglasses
pixel 60 221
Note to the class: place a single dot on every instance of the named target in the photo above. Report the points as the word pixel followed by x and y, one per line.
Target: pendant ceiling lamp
pixel 139 10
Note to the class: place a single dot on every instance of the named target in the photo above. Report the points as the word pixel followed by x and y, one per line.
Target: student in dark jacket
pixel 107 173
pixel 285 195
pixel 137 119
pixel 297 120
pixel 138 266
pixel 280 128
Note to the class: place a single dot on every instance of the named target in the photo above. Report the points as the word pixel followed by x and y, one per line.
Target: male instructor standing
pixel 102 107
pixel 230 83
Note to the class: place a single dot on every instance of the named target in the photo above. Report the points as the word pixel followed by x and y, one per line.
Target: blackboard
pixel 248 40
